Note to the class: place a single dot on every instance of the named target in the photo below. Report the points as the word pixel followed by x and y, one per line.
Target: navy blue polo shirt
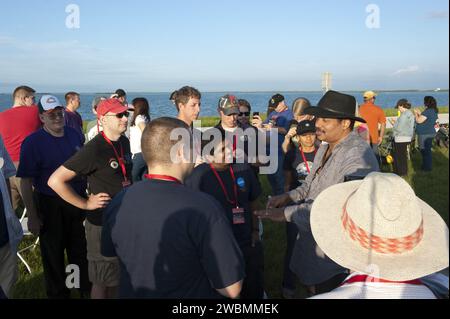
pixel 171 241
pixel 4 237
pixel 42 153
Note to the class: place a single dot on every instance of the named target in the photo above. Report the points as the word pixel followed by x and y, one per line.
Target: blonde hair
pixel 299 105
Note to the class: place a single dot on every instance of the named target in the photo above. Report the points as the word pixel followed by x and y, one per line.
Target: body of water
pixel 161 106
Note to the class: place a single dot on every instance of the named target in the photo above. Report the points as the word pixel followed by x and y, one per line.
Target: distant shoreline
pixel 247 92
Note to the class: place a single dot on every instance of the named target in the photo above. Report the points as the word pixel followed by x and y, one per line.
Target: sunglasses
pixel 244 114
pixel 120 115
pixel 55 114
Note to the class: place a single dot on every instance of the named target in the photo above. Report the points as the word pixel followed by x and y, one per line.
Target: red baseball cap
pixel 110 105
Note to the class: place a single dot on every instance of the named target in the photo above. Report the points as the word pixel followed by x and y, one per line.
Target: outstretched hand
pixel 274 214
pixel 279 201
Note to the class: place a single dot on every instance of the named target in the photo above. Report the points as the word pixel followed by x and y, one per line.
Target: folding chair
pixel 26 232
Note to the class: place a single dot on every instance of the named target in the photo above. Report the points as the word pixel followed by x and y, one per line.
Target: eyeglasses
pixel 120 115
pixel 244 114
pixel 55 114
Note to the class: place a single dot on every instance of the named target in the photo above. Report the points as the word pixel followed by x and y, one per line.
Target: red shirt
pixel 15 125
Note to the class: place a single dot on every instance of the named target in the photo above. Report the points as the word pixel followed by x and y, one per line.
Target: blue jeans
pixel 276 180
pixel 425 144
pixel 139 167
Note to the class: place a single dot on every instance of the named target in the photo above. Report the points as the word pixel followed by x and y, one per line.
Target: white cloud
pixel 407 70
pixel 437 15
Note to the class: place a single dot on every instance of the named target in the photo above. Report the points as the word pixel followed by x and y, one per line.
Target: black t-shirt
pixel 172 242
pixel 98 162
pixel 294 163
pixel 249 189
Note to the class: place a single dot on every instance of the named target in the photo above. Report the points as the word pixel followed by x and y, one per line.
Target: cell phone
pixel 255 114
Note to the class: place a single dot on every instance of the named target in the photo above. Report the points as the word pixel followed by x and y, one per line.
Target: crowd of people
pixel 146 213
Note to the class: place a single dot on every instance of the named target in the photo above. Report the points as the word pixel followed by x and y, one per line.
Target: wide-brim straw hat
pixel 379 227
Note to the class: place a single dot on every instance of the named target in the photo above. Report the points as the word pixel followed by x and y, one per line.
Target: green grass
pixel 214 120
pixel 432 187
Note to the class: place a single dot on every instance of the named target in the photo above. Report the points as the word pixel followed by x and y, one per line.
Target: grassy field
pixel 432 187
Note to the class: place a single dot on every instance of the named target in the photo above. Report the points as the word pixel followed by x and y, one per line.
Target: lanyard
pixel 163 178
pixel 235 202
pixel 119 158
pixel 366 278
pixel 304 158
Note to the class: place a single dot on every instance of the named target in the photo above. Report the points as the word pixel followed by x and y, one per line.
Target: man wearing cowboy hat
pixel 384 234
pixel 344 153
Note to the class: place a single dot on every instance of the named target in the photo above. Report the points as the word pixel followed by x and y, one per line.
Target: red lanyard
pixel 235 202
pixel 304 158
pixel 163 178
pixel 366 278
pixel 119 158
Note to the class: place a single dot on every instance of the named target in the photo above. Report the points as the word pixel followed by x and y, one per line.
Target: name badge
pixel 238 216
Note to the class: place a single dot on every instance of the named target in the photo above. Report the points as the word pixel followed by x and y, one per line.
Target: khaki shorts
pixel 103 271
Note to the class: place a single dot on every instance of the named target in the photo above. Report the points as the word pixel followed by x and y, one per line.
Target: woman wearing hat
pixel 300 148
pixel 388 238
pixel 403 135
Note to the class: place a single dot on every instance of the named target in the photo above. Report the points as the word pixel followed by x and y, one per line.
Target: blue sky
pixel 223 46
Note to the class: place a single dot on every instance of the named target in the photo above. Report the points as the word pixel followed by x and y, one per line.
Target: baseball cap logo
pixel 51 99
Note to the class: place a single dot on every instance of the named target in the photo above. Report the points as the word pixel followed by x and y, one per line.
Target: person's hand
pixel 292 132
pixel 97 201
pixel 380 140
pixel 278 201
pixel 255 237
pixel 257 121
pixel 34 225
pixel 274 214
pixel 417 112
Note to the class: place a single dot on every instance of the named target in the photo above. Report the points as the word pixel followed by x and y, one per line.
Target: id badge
pixel 238 216
pixel 125 184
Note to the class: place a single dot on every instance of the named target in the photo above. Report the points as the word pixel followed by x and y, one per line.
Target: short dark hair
pixel 184 94
pixel 244 103
pixel 70 95
pixel 210 141
pixel 156 143
pixel 120 93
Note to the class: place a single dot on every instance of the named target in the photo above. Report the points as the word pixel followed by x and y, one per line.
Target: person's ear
pixel 346 124
pixel 41 117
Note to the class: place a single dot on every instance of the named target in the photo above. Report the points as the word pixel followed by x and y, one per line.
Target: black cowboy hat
pixel 335 105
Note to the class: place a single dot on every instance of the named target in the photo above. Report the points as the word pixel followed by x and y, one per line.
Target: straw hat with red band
pixel 110 106
pixel 379 223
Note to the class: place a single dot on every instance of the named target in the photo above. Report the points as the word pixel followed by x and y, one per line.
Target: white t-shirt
pixel 377 290
pixel 136 134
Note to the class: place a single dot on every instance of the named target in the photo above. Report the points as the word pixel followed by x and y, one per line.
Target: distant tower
pixel 326 82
